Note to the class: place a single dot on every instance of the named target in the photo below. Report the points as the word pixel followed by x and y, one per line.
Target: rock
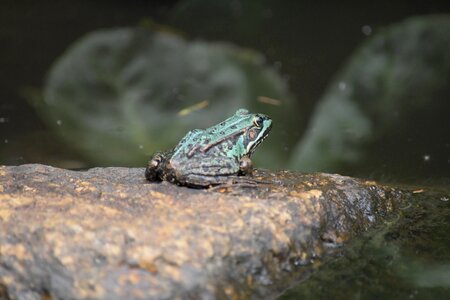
pixel 106 233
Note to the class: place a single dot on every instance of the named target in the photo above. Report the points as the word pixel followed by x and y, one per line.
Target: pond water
pixel 359 90
pixel 406 257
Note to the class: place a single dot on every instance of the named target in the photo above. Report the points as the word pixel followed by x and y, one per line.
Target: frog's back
pixel 220 140
pixel 188 142
pixel 199 144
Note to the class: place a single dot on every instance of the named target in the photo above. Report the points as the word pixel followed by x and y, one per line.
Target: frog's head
pixel 258 128
pixel 238 135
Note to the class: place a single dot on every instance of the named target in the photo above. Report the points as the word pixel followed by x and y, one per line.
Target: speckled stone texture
pixel 106 233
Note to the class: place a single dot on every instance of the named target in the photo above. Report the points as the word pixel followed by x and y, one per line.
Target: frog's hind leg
pixel 219 171
pixel 201 181
pixel 156 165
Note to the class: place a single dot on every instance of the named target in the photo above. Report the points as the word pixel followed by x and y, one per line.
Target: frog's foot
pixel 153 170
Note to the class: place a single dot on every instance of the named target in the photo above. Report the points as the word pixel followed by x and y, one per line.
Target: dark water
pixel 403 138
pixel 406 257
pixel 307 44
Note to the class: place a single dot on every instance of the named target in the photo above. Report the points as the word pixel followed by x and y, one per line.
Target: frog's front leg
pixel 245 165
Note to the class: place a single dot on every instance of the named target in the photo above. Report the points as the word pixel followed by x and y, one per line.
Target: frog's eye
pixel 258 121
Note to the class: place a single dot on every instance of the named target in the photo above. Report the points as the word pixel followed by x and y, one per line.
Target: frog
pixel 217 155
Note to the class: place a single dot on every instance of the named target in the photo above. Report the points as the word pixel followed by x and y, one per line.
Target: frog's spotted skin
pixel 210 156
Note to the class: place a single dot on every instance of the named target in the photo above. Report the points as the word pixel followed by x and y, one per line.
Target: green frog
pixel 216 155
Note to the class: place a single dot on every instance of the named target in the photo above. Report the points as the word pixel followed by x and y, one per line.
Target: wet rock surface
pixel 106 233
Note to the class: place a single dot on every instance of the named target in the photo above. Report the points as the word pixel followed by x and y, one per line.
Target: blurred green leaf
pixel 388 108
pixel 115 94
